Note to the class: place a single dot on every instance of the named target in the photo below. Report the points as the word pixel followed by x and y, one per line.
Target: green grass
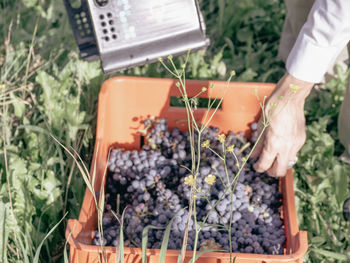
pixel 45 88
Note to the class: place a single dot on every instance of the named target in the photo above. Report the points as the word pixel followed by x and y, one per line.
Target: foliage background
pixel 45 88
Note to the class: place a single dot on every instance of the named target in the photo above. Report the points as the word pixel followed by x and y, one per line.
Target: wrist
pixel 295 89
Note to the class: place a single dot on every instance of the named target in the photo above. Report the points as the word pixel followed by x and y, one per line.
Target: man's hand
pixel 285 135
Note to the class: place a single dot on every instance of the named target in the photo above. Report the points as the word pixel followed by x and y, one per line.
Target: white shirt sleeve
pixel 323 36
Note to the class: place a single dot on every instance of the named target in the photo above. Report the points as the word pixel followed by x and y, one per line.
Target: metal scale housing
pixel 129 33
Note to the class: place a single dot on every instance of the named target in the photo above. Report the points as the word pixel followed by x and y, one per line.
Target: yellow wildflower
pixel 222 138
pixel 210 179
pixel 294 88
pixel 206 144
pixel 189 180
pixel 230 148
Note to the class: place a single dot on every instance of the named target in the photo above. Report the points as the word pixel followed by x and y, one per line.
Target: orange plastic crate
pixel 123 103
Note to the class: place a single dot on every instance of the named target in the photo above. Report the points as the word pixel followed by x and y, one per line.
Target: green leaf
pixel 330 254
pixel 318 240
pixel 244 35
pixel 52 187
pixel 18 106
pixel 30 3
pixel 247 75
pixel 340 175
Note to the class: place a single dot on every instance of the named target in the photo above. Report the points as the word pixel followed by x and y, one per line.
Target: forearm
pixel 285 89
pixel 321 39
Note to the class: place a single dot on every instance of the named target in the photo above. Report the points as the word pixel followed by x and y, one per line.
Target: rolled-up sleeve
pixel 323 36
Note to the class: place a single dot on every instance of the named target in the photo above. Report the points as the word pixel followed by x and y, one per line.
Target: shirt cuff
pixel 308 61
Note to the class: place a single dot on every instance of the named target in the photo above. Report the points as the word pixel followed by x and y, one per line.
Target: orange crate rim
pixel 123 103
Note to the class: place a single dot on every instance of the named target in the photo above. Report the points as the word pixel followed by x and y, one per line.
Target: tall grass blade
pixel 100 208
pixel 65 254
pixel 23 249
pixel 120 247
pixel 37 253
pixel 121 243
pixel 95 166
pixel 179 257
pixel 164 247
pixel 145 241
pixel 81 160
pixel 4 232
pixel 82 168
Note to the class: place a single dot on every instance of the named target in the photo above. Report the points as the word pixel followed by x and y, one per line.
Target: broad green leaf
pixel 340 177
pixel 52 187
pixel 247 75
pixel 244 35
pixel 30 3
pixel 330 254
pixel 318 240
pixel 18 106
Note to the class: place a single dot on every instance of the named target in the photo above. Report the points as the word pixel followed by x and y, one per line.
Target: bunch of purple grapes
pixel 149 186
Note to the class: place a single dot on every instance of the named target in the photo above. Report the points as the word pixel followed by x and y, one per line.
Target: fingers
pixel 280 166
pixel 275 154
pixel 285 133
pixel 258 148
pixel 266 159
pixel 273 162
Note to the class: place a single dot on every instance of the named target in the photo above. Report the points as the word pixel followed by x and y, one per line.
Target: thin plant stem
pixel 31 49
pixel 230 224
pixel 193 127
pixel 220 102
pixel 238 173
pixel 218 155
pixel 5 142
